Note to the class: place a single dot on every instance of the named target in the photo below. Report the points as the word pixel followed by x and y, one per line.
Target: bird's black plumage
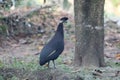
pixel 55 46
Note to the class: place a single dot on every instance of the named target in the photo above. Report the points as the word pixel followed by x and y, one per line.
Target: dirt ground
pixel 18 60
pixel 26 51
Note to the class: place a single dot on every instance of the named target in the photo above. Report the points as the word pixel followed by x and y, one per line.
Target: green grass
pixel 118 45
pixel 21 64
pixel 3 29
pixel 14 78
pixel 30 64
pixel 1 78
pixel 113 64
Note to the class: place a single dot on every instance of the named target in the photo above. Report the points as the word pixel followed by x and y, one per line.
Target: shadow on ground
pixel 48 74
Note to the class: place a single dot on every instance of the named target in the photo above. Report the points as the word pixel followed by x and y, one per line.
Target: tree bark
pixel 89 24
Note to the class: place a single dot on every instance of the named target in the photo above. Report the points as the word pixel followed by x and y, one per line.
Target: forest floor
pixel 18 60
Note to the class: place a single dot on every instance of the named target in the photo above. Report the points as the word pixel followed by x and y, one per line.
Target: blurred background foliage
pixel 112 7
pixel 116 2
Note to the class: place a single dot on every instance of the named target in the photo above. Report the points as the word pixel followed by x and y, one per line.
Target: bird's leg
pixel 48 64
pixel 54 63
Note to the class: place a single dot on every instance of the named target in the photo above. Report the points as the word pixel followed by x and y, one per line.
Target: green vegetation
pixel 21 64
pixel 27 68
pixel 113 64
pixel 66 4
pixel 118 45
pixel 14 78
pixel 1 78
pixel 116 2
pixel 3 29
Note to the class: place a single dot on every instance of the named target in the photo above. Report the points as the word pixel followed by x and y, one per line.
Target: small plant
pixel 15 78
pixel 1 78
pixel 1 65
pixel 3 29
pixel 118 45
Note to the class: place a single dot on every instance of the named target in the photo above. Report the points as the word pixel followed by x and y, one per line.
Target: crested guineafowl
pixel 55 46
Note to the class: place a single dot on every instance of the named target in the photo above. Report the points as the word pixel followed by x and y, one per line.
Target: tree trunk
pixel 89 24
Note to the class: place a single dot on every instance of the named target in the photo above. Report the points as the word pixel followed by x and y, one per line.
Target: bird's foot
pixel 55 67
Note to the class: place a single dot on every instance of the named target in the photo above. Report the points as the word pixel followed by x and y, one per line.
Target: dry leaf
pixel 117 56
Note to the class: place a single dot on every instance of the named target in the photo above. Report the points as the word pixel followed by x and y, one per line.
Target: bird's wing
pixel 51 53
pixel 47 51
pixel 50 48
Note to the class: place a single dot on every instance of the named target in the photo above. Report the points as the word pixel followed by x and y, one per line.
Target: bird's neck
pixel 60 29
